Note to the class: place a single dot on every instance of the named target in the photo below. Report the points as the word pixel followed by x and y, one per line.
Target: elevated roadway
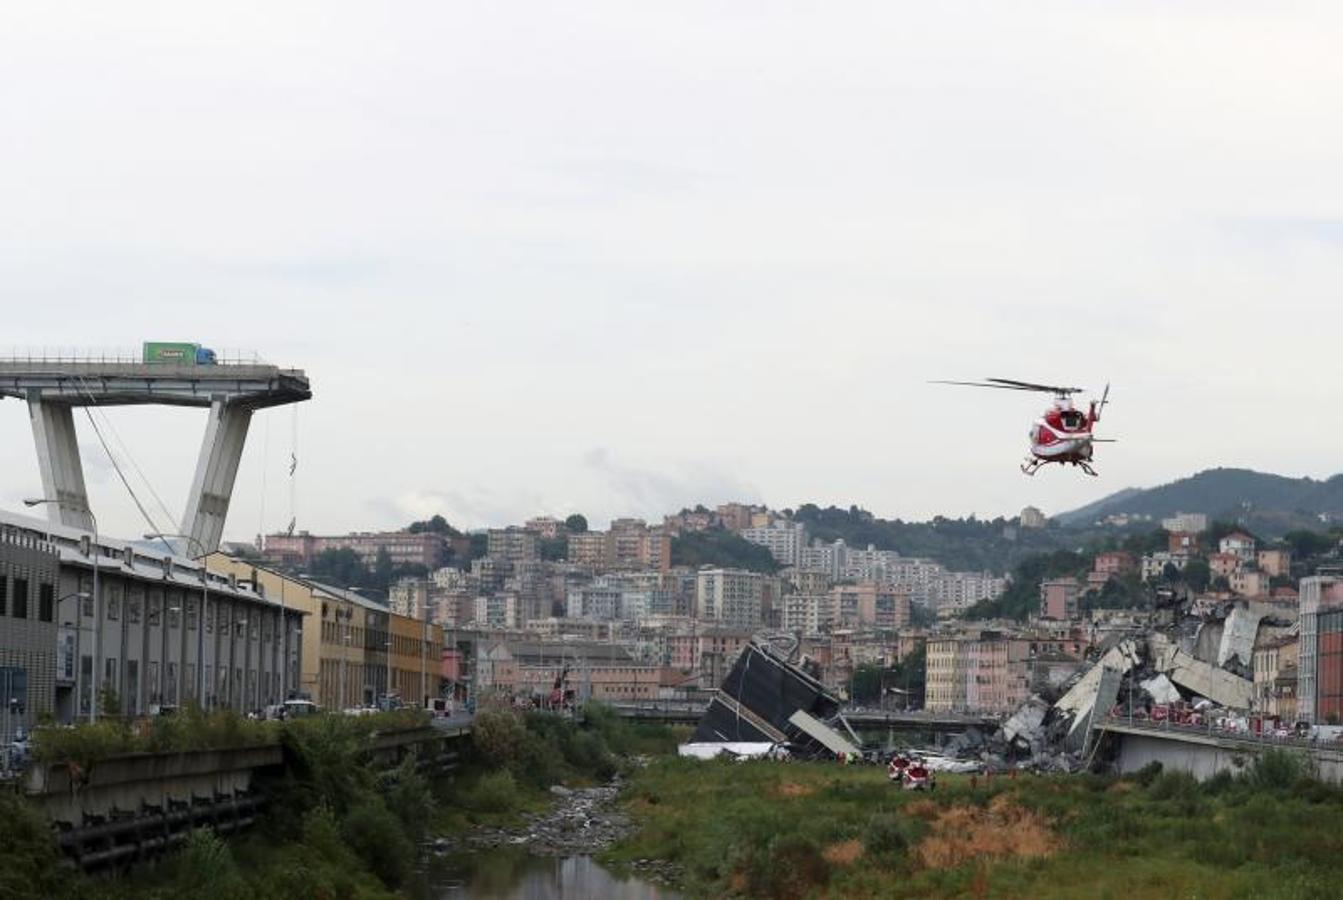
pixel 689 713
pixel 1203 752
pixel 232 391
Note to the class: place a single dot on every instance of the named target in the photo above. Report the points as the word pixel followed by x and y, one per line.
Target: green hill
pixel 1270 504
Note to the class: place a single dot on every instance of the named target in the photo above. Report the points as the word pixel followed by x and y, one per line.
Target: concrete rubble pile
pixel 1202 659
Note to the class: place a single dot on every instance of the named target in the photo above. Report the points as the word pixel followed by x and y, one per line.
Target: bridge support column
pixel 58 461
pixel 216 469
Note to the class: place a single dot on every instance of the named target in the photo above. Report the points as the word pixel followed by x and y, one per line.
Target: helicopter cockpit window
pixel 1072 419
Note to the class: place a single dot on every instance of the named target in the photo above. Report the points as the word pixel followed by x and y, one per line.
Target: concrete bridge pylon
pixel 231 392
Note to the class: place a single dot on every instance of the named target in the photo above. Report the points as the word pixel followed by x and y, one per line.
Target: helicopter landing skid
pixel 1032 465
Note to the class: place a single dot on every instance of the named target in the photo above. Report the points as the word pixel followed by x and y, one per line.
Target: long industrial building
pixel 155 631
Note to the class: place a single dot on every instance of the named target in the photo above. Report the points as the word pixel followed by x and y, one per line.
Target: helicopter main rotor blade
pixel 981 384
pixel 1031 386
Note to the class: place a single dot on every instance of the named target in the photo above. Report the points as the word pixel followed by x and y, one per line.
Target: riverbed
pixel 548 856
pixel 512 873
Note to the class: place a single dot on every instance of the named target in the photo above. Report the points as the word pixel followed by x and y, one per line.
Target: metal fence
pixel 114 355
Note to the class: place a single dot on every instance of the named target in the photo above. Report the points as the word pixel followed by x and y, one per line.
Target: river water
pixel 509 873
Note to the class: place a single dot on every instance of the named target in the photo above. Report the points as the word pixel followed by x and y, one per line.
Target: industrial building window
pixel 155 611
pixel 4 594
pixel 191 615
pixel 114 603
pixel 133 602
pixel 46 602
pixel 20 598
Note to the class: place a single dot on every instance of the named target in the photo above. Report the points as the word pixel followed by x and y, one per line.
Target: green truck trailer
pixel 177 353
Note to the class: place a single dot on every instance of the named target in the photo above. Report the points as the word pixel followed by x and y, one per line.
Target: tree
pixel 341 567
pixel 1306 544
pixel 382 568
pixel 1220 583
pixel 435 524
pixel 554 549
pixel 1197 575
pixel 910 675
pixel 576 523
pixel 866 683
pixel 720 547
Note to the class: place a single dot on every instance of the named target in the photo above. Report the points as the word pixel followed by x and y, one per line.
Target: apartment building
pixel 1187 523
pixel 545 527
pixel 1154 564
pixel 589 549
pixel 1274 561
pixel 512 545
pixel 784 541
pixel 871 605
pixel 1320 598
pixel 732 597
pixel 945 680
pixel 404 548
pixel 1238 544
pixel 807 614
pixel 1059 599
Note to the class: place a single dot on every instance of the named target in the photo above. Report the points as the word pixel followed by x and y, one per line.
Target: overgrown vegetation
pixel 765 829
pixel 519 755
pixel 720 547
pixel 1022 597
pixel 335 825
pixel 189 729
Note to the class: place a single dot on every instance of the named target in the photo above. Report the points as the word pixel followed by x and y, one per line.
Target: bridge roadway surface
pixel 690 713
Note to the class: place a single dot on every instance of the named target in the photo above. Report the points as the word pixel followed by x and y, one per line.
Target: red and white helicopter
pixel 1063 434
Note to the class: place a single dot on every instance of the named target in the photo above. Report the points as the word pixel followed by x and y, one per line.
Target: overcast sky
pixel 622 257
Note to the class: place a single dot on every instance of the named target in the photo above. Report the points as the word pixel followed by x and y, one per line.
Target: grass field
pixel 803 829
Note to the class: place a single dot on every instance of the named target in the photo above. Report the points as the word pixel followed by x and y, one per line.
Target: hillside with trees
pixel 720 547
pixel 962 545
pixel 1269 504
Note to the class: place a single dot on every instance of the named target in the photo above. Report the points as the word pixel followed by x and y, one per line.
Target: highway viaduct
pixel 1202 752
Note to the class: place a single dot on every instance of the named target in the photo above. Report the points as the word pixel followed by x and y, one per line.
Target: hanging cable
pixel 153 526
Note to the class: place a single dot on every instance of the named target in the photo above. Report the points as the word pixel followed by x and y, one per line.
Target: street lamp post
pixel 94 552
pixel 205 602
pixel 79 597
pixel 387 692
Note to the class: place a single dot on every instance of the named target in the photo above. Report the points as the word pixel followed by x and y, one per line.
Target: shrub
pixel 407 794
pixel 1172 785
pixel 796 866
pixel 30 863
pixel 375 834
pixel 889 836
pixel 1148 773
pixel 206 869
pixel 499 736
pixel 496 792
pixel 1275 770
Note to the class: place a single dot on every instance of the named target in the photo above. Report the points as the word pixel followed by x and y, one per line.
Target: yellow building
pixel 348 640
